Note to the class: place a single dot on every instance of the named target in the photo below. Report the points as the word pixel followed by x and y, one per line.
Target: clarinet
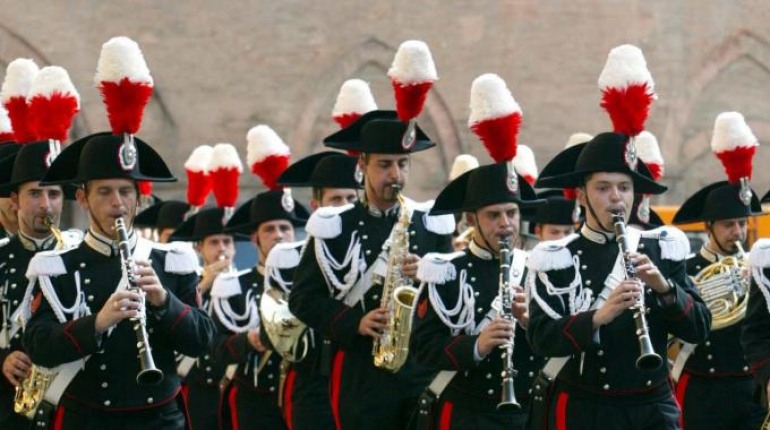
pixel 148 373
pixel 648 359
pixel 508 401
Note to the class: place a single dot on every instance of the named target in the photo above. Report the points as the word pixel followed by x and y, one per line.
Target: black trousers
pixel 460 413
pixel 719 403
pixel 167 418
pixel 306 400
pixel 203 406
pixel 246 408
pixel 15 422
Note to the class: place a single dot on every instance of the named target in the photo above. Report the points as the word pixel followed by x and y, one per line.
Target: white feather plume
pixel 625 66
pixel 5 121
pixel 731 132
pixel 263 142
pixel 51 80
pixel 491 99
pixel 225 156
pixel 200 159
pixel 413 64
pixel 524 162
pixel 648 148
pixel 355 96
pixel 577 139
pixel 462 164
pixel 18 78
pixel 121 58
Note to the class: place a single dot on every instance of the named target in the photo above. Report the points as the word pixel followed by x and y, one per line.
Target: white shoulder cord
pixel 78 309
pixel 352 259
pixel 274 274
pixel 230 319
pixel 579 298
pixel 463 309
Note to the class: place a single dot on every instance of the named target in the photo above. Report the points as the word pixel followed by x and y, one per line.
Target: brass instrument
pixel 398 297
pixel 48 221
pixel 286 332
pixel 648 359
pixel 724 286
pixel 508 400
pixel 148 373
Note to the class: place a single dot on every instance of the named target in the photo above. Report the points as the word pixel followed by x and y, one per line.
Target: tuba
pixel 398 297
pixel 724 286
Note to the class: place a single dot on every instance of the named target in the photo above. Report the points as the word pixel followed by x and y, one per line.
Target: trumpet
pixel 508 400
pixel 148 373
pixel 648 359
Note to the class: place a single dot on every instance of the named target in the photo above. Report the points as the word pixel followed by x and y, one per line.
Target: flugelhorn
pixel 648 359
pixel 148 373
pixel 508 398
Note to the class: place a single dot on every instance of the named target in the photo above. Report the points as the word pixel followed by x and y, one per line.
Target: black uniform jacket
pixel 108 381
pixel 755 337
pixel 568 275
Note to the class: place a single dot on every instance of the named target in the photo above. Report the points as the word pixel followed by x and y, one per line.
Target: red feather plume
pixel 199 185
pixel 270 168
pixel 628 107
pixel 51 117
pixel 410 98
pixel 18 112
pixel 345 119
pixel 499 136
pixel 125 101
pixel 225 186
pixel 737 163
pixel 145 188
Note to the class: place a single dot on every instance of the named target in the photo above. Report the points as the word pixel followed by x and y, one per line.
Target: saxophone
pixel 398 298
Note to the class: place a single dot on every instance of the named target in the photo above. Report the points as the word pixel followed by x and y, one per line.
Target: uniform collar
pixel 595 235
pixel 105 245
pixel 480 252
pixel 36 245
pixel 710 255
pixel 391 212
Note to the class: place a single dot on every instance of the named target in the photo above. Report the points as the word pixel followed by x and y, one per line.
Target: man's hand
pixel 648 272
pixel 624 296
pixel 148 281
pixel 210 273
pixel 409 269
pixel 519 308
pixel 17 367
pixel 121 305
pixel 254 340
pixel 498 332
pixel 373 323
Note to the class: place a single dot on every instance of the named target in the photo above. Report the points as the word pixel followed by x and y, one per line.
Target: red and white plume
pixel 525 164
pixel 734 144
pixel 267 155
pixel 627 89
pixel 16 86
pixel 462 164
pixel 354 99
pixel 495 116
pixel 53 103
pixel 225 168
pixel 124 80
pixel 649 152
pixel 412 75
pixel 199 184
pixel 6 130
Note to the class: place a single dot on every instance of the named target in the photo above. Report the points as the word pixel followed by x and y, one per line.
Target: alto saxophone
pixel 398 297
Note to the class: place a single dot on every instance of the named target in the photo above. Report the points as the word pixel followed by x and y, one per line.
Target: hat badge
pixel 287 202
pixel 630 155
pixel 511 180
pixel 127 153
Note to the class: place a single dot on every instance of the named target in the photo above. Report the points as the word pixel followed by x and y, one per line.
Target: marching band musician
pixel 714 380
pixel 333 292
pixel 305 399
pixel 9 223
pixel 251 398
pixel 582 291
pixel 216 250
pixel 164 217
pixel 459 325
pixel 555 218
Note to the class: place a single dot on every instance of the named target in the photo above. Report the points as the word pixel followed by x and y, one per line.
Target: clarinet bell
pixel 508 401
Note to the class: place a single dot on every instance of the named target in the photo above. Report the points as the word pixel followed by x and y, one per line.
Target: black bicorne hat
pixel 556 209
pixel 483 186
pixel 266 206
pixel 107 156
pixel 27 163
pixel 167 214
pixel 323 170
pixel 377 132
pixel 7 148
pixel 717 201
pixel 604 153
pixel 203 224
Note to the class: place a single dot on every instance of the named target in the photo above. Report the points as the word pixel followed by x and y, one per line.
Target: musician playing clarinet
pixel 604 315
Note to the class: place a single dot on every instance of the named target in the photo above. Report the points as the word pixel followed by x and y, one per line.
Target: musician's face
pixel 33 204
pixel 8 216
pixel 106 200
pixel 335 197
pixel 215 247
pixel 270 233
pixel 494 223
pixel 553 231
pixel 606 193
pixel 726 232
pixel 382 171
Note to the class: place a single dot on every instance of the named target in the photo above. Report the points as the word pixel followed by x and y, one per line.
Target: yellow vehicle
pixel 758 227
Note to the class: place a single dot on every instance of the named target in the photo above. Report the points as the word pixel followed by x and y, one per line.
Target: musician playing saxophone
pixel 460 325
pixel 715 384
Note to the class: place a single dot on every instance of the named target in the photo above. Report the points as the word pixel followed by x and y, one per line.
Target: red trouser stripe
pixel 445 422
pixel 233 407
pixel 681 389
pixel 335 381
pixel 58 420
pixel 561 411
pixel 288 391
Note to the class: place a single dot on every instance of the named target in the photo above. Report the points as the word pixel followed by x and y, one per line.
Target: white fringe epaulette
pixel 436 268
pixel 439 224
pixel 759 256
pixel 326 222
pixel 227 284
pixel 46 263
pixel 180 258
pixel 284 255
pixel 551 255
pixel 72 238
pixel 674 245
